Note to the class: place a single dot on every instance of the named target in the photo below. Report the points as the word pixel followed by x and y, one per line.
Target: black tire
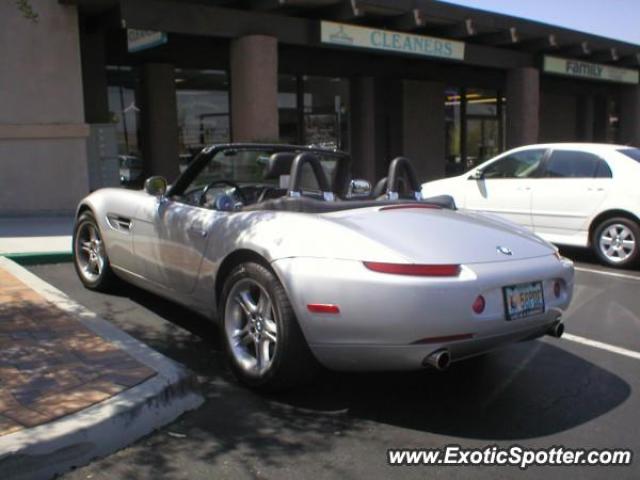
pixel 105 279
pixel 633 257
pixel 292 362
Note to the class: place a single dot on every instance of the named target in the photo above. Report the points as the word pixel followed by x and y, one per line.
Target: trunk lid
pixel 427 236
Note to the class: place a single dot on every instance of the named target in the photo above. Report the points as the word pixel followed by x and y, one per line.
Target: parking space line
pixel 611 274
pixel 602 346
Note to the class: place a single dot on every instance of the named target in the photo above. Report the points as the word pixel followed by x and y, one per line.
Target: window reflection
pixel 326 112
pixel 203 111
pixel 474 127
pixel 124 114
pixel 288 109
pixel 123 109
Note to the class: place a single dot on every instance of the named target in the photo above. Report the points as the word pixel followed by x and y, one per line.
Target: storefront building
pixel 99 90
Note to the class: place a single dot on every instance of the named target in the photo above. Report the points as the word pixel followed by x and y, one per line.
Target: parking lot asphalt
pixel 543 393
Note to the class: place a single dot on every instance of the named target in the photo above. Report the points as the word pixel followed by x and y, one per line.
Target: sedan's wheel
pixel 89 255
pixel 263 341
pixel 616 242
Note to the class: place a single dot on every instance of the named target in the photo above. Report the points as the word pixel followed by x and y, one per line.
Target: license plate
pixel 523 300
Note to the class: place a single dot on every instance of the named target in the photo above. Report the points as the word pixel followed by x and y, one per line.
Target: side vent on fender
pixel 119 223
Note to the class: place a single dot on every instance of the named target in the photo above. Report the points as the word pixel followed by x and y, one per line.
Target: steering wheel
pixel 238 189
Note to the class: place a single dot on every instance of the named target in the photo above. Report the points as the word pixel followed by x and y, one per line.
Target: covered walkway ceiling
pixel 429 17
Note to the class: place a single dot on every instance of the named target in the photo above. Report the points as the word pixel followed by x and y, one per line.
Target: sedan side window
pixel 572 164
pixel 522 164
pixel 603 170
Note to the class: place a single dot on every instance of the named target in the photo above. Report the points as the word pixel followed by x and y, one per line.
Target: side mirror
pixel 477 175
pixel 156 186
pixel 359 188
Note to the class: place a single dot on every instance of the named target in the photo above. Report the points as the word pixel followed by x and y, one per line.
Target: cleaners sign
pixel 593 71
pixel 376 39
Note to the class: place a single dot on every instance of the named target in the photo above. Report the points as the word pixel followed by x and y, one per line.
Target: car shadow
pixel 589 258
pixel 526 390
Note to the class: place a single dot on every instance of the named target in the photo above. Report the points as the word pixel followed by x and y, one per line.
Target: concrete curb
pixel 54 448
pixel 39 258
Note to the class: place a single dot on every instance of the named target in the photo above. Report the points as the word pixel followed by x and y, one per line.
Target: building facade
pixel 97 86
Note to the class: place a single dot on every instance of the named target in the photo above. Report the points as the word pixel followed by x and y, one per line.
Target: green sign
pixel 143 39
pixel 593 71
pixel 377 39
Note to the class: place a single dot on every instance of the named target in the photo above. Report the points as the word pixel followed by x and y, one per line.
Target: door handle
pixel 524 189
pixel 198 231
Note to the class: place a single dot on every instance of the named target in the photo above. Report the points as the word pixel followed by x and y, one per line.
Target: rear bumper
pixel 392 322
pixel 412 357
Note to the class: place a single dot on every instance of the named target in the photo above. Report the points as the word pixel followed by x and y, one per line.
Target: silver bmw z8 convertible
pixel 301 265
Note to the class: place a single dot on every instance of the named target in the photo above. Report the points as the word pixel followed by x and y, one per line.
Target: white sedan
pixel 577 194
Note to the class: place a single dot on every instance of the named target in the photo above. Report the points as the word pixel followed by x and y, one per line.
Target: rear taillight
pixel 428 206
pixel 479 304
pixel 557 288
pixel 414 269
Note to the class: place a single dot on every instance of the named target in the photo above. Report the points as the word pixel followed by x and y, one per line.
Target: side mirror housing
pixel 156 186
pixel 477 175
pixel 359 188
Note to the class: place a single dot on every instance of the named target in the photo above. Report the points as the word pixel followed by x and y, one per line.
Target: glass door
pixel 482 140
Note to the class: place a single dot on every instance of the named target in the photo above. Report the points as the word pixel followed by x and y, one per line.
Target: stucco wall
pixel 43 166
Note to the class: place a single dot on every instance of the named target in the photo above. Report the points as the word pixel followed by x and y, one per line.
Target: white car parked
pixel 578 194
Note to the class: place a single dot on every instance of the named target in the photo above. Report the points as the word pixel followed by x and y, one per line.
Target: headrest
pixel 278 164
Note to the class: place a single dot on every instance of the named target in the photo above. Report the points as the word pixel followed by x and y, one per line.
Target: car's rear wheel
pixel 263 341
pixel 616 242
pixel 89 255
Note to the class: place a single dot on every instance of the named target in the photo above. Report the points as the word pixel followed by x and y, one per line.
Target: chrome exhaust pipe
pixel 556 330
pixel 440 359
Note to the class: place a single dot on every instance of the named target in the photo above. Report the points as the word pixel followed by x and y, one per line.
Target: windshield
pixel 632 153
pixel 248 166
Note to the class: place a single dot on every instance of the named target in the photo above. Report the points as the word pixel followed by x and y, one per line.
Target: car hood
pixel 424 235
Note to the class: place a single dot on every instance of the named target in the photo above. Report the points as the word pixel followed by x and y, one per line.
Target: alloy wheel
pixel 251 327
pixel 617 242
pixel 89 251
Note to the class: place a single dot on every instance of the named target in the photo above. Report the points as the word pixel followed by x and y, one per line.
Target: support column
pixel 368 135
pixel 94 77
pixel 423 128
pixel 254 89
pixel 159 120
pixel 43 135
pixel 629 132
pixel 585 118
pixel 523 106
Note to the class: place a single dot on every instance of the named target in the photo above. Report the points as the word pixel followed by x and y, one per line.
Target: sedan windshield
pixel 633 153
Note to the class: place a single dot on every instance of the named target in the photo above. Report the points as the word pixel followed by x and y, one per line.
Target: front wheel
pixel 263 341
pixel 615 242
pixel 89 255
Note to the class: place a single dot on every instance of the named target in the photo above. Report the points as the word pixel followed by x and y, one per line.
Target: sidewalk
pixel 72 386
pixel 36 237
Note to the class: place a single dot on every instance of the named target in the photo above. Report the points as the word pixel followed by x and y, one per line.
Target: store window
pixel 288 115
pixel 326 112
pixel 123 109
pixel 125 116
pixel 474 127
pixel 203 111
pixel 613 119
pixel 453 131
pixel 483 126
pixel 314 111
